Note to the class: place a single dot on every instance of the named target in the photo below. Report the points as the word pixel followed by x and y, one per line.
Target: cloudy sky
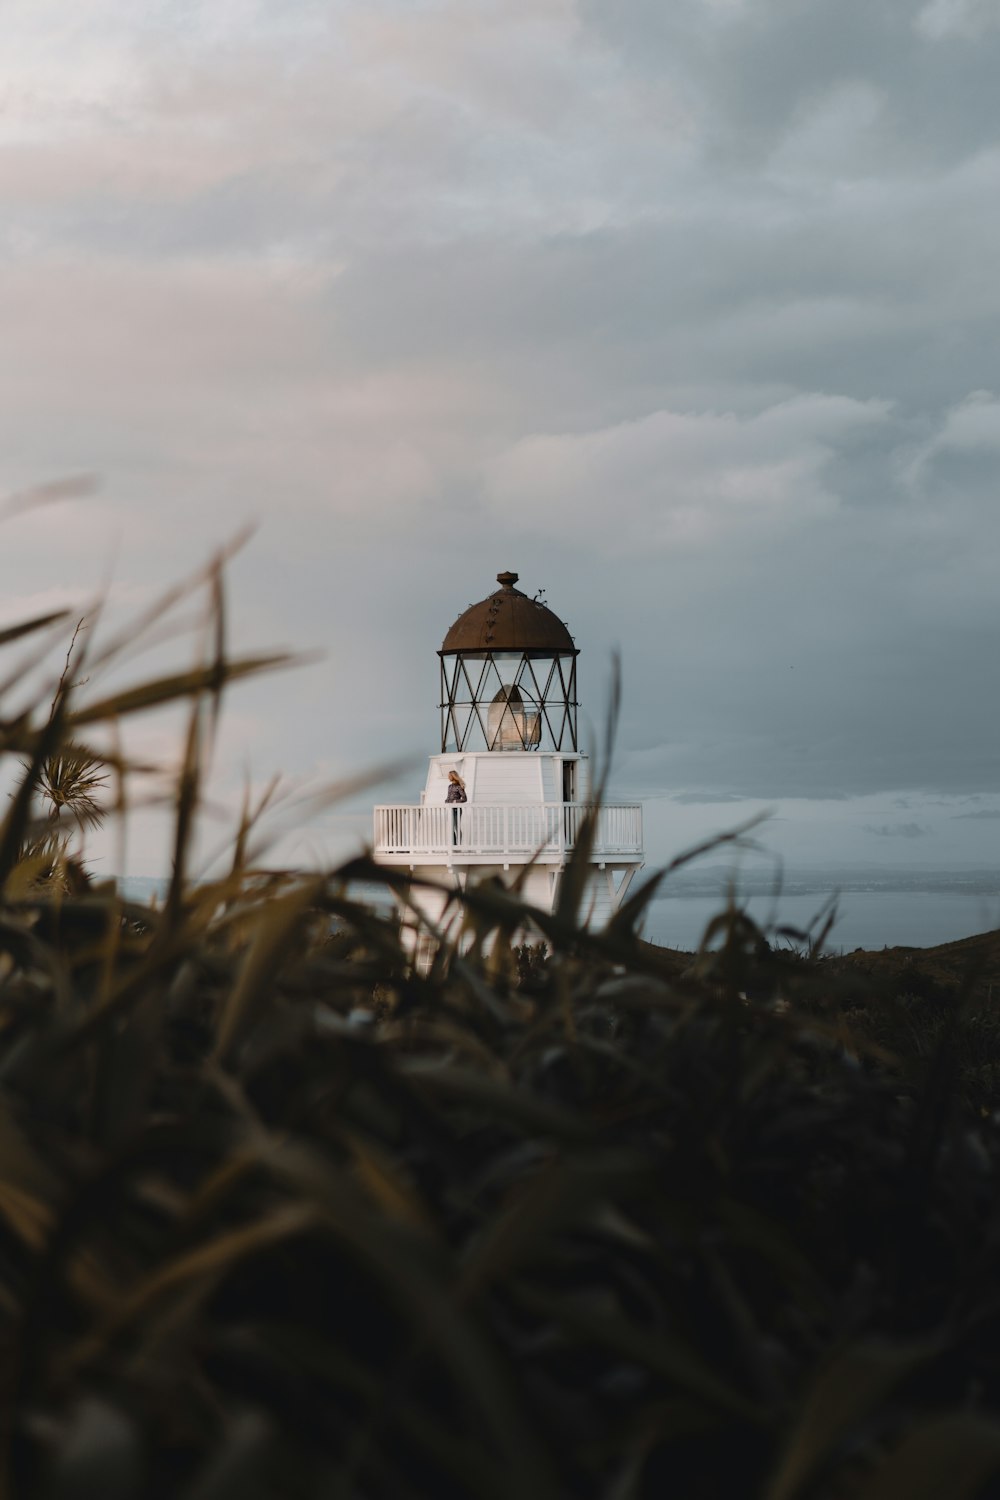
pixel 688 313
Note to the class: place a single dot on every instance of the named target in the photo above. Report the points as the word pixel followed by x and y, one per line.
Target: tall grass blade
pixel 841 1400
pixel 952 1455
pixel 28 627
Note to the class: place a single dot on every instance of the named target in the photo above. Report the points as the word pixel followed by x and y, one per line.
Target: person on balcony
pixel 455 794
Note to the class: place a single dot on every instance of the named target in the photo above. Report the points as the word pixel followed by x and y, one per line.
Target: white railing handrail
pixel 504 829
pixel 425 807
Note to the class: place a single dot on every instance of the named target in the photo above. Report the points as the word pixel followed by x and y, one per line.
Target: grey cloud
pixel 987 813
pixel 757 71
pixel 897 831
pixel 968 20
pixel 697 799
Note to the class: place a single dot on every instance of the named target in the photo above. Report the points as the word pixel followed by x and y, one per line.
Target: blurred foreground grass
pixel 279 1217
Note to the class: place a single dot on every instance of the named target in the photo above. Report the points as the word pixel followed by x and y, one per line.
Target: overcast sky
pixel 686 312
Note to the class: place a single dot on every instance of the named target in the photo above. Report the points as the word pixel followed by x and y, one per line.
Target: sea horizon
pixel 875 908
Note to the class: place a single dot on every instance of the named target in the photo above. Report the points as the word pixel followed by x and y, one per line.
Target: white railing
pixel 505 829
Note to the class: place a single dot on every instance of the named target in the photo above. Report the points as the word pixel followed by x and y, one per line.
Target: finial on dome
pixel 507 579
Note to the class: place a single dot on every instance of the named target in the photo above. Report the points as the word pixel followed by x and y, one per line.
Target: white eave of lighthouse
pixel 508 776
pixel 516 814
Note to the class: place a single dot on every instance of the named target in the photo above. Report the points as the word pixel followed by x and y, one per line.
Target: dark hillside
pixel 971 962
pixel 906 1003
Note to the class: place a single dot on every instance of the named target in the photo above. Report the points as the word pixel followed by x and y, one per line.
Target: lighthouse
pixel 509 739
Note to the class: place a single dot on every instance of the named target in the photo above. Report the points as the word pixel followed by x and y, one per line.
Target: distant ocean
pixel 865 918
pixel 876 915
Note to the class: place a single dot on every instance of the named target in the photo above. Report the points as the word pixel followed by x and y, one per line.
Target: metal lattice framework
pixel 508 700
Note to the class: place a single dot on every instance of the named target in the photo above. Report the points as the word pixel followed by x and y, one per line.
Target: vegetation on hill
pixel 280 1217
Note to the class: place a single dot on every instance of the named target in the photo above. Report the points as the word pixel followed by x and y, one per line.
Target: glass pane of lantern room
pixel 533 678
pixel 469 675
pixel 532 723
pixel 552 694
pixel 453 688
pixel 505 720
pixel 525 684
pixel 495 687
pixel 460 722
pixel 502 673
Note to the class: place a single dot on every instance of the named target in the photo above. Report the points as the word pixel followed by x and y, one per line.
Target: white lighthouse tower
pixel 509 730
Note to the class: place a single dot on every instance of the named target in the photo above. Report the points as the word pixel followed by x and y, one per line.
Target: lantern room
pixel 508 676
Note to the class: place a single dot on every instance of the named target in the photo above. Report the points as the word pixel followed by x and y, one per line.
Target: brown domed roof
pixel 509 621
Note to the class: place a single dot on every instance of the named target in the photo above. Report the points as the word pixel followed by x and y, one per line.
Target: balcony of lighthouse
pixel 501 833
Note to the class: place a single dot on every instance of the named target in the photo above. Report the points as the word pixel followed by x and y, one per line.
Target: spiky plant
pixel 68 786
pixel 72 782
